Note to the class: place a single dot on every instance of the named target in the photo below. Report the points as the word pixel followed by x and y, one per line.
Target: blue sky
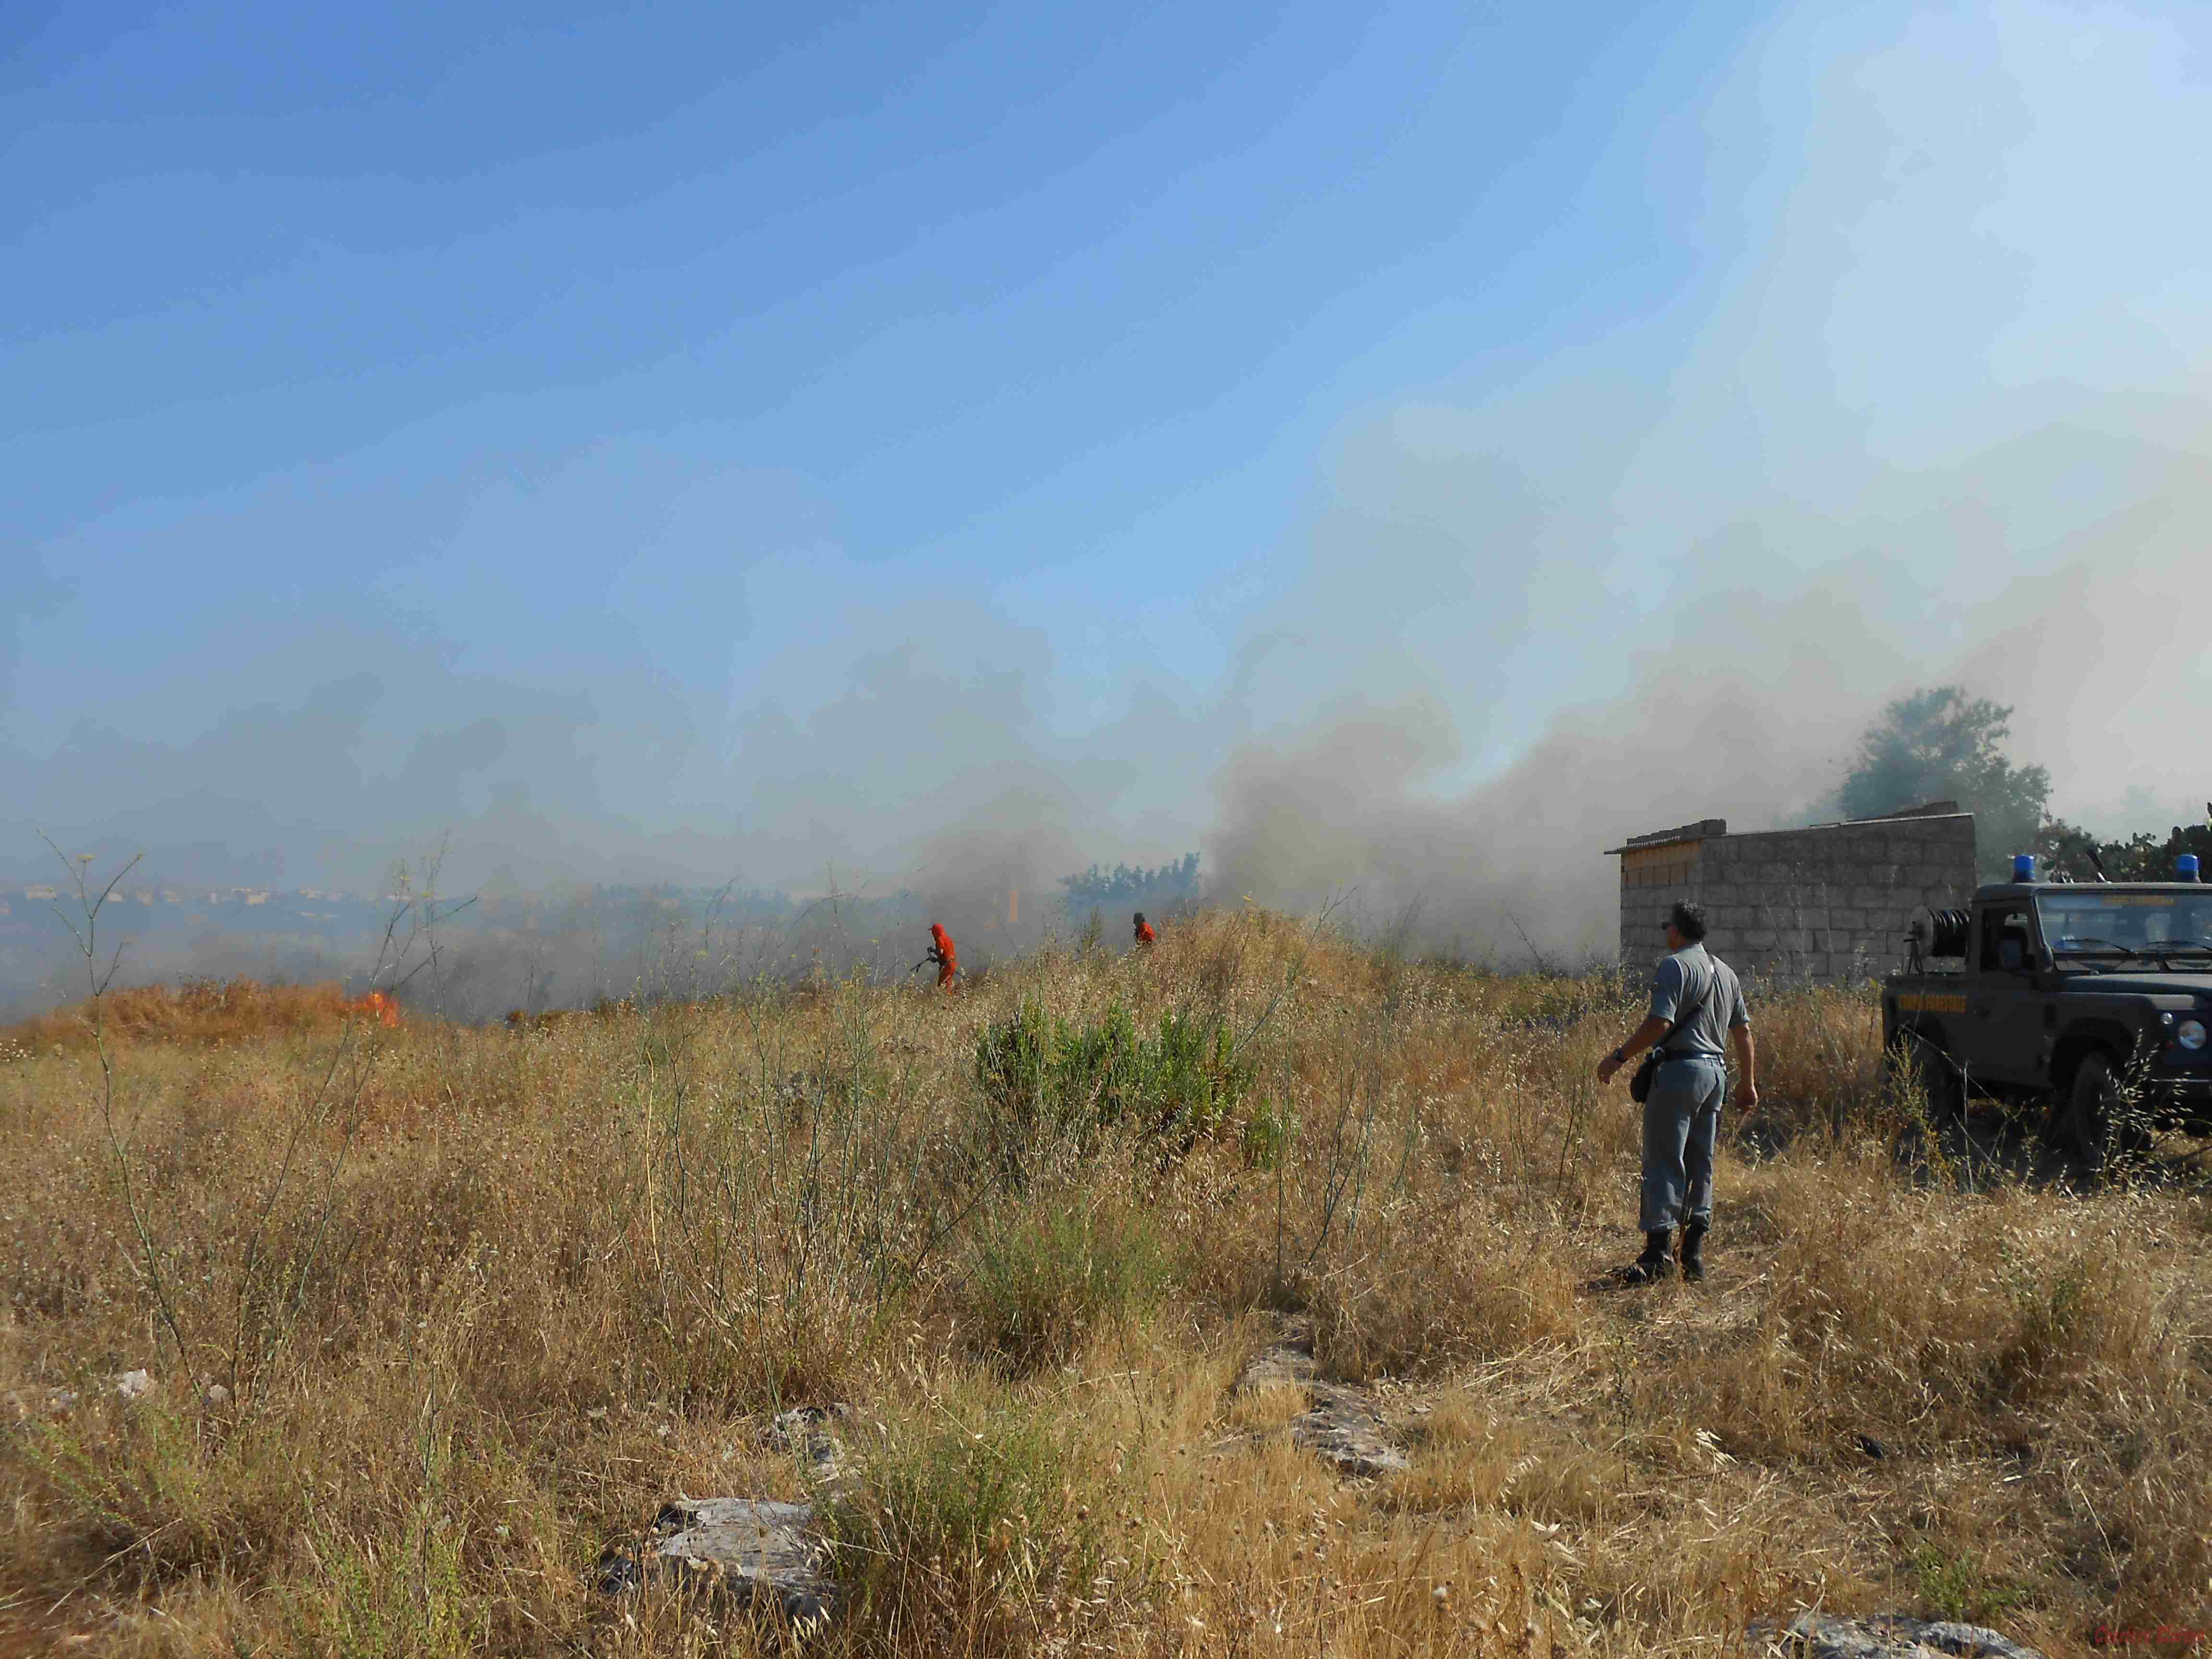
pixel 944 264
pixel 697 441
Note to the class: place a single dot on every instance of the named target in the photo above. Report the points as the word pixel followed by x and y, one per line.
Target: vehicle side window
pixel 2006 941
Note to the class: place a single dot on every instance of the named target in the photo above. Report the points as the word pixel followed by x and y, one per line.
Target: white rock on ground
pixel 1819 1635
pixel 1340 1425
pixel 804 1432
pixel 768 1551
pixel 761 1553
pixel 765 1552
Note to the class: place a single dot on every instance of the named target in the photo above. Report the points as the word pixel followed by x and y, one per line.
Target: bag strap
pixel 1684 1019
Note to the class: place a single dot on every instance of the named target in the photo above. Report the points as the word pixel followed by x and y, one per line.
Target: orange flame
pixel 384 1009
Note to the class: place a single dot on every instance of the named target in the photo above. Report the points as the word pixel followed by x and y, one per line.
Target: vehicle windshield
pixel 2096 922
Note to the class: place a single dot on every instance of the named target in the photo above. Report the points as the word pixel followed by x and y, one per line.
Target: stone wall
pixel 1832 903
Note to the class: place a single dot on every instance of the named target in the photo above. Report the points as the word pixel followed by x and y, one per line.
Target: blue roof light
pixel 2186 867
pixel 2023 867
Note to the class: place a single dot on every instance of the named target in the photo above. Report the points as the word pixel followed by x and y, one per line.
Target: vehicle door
pixel 2002 1038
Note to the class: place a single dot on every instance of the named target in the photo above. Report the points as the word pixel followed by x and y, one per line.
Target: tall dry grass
pixel 435 1314
pixel 204 1013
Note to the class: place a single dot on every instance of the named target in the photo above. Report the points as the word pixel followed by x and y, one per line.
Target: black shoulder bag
pixel 1640 1086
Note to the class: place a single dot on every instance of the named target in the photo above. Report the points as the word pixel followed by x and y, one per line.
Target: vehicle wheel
pixel 1921 1062
pixel 2099 1120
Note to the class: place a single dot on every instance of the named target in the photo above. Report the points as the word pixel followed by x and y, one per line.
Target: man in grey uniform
pixel 1682 1118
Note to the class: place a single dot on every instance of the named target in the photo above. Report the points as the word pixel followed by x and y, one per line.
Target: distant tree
pixel 2066 848
pixel 2152 861
pixel 1941 745
pixel 1105 890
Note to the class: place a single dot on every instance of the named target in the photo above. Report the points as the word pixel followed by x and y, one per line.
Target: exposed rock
pixel 762 1553
pixel 1818 1636
pixel 804 1432
pixel 134 1385
pixel 1340 1424
pixel 1344 1429
pixel 1288 1364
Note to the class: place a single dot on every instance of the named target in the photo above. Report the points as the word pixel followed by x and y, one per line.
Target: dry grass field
pixel 433 1315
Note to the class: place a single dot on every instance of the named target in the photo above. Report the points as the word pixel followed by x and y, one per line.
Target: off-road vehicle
pixel 2090 999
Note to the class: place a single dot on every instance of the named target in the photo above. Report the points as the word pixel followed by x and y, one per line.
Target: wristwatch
pixel 1619 1058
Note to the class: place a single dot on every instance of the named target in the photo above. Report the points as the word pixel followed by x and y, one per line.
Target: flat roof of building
pixel 1717 828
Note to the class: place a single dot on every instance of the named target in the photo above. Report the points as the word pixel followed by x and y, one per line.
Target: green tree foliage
pixel 2066 848
pixel 1106 889
pixel 1941 745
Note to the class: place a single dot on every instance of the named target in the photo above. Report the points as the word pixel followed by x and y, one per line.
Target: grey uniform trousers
pixel 1682 1125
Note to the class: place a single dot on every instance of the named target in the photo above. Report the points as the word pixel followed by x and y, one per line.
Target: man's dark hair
pixel 1688 919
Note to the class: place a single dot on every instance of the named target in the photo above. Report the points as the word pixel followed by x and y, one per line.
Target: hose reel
pixel 1938 933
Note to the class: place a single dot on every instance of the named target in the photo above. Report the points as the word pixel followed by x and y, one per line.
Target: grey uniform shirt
pixel 1689 978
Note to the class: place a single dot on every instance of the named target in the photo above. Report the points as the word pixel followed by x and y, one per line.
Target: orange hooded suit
pixel 941 952
pixel 1145 934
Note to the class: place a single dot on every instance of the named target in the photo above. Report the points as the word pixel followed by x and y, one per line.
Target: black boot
pixel 1693 1250
pixel 1657 1262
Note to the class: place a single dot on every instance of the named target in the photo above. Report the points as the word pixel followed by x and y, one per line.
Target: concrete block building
pixel 1829 903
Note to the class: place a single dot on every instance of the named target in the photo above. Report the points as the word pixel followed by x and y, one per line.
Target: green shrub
pixel 962 1523
pixel 412 1601
pixel 1269 1134
pixel 143 1487
pixel 1956 1586
pixel 1046 1081
pixel 1195 1080
pixel 1046 1274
